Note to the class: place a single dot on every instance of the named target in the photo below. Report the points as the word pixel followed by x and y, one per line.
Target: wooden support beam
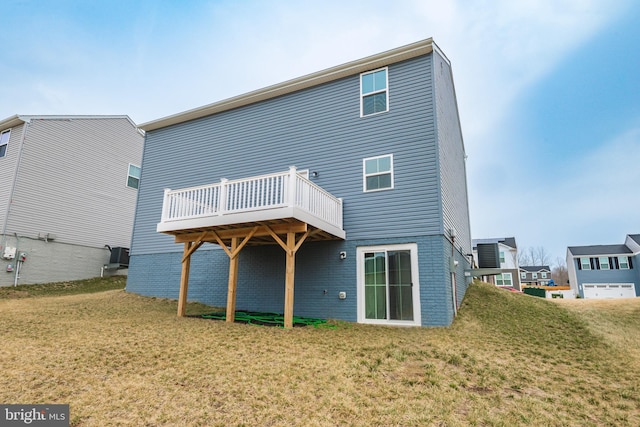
pixel 184 279
pixel 289 280
pixel 233 281
pixel 194 247
pixel 209 236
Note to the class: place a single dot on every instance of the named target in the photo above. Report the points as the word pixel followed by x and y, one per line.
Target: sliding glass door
pixel 388 284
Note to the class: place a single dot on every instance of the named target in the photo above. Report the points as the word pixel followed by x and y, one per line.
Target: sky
pixel 548 90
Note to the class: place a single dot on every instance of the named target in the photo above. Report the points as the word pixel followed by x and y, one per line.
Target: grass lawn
pixel 508 359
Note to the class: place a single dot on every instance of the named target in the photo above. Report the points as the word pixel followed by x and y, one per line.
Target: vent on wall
pixel 488 255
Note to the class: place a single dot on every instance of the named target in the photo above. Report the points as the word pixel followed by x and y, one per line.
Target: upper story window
pixel 543 274
pixel 523 275
pixel 133 178
pixel 378 173
pixel 502 259
pixel 534 275
pixel 374 96
pixel 585 264
pixel 4 141
pixel 604 262
pixel 623 262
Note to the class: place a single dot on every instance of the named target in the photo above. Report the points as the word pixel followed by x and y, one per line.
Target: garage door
pixel 609 290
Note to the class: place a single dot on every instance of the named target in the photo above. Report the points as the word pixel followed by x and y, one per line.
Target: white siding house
pixel 68 195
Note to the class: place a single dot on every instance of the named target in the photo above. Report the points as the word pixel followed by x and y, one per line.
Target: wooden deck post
pixel 289 279
pixel 233 281
pixel 184 280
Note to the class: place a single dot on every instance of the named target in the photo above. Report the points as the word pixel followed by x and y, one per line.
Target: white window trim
pixel 374 92
pixel 7 143
pixel 364 174
pixel 523 275
pixel 588 265
pixel 415 294
pixel 502 276
pixel 129 175
pixel 626 262
pixel 600 258
pixel 543 274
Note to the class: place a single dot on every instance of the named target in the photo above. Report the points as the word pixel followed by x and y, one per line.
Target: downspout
pixel 453 265
pixel 27 122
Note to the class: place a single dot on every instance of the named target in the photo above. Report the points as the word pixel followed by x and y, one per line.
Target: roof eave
pixel 10 122
pixel 365 64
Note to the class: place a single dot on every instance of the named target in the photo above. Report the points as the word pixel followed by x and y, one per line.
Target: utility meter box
pixel 9 253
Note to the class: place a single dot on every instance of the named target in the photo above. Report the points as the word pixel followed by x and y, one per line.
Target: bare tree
pixel 559 273
pixel 533 256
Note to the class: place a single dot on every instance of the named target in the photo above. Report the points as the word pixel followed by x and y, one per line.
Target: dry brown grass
pixel 121 359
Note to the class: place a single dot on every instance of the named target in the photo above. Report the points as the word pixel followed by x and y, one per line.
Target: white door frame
pixel 415 292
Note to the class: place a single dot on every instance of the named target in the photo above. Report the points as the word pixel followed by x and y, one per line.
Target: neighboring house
pixel 68 194
pixel 509 274
pixel 537 275
pixel 605 271
pixel 374 221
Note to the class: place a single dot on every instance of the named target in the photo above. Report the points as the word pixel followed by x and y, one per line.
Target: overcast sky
pixel 548 90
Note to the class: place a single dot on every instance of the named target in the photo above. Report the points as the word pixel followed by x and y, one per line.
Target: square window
pixel 544 274
pixel 534 275
pixel 4 142
pixel 373 92
pixel 623 262
pixel 585 264
pixel 378 173
pixel 523 275
pixel 504 279
pixel 604 262
pixel 133 177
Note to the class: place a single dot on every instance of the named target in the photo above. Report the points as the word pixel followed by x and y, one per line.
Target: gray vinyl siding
pixel 8 165
pixel 319 129
pixel 72 181
pixel 453 181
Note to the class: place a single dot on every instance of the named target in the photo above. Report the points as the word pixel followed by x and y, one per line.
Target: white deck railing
pixel 278 190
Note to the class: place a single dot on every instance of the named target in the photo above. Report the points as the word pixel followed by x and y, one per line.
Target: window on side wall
pixel 502 259
pixel 4 142
pixel 133 177
pixel 374 96
pixel 377 173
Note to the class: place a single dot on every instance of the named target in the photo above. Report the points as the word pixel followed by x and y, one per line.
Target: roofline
pixel 19 119
pixel 402 53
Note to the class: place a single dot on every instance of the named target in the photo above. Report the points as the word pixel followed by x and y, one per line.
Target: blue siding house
pixel 346 187
pixel 605 271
